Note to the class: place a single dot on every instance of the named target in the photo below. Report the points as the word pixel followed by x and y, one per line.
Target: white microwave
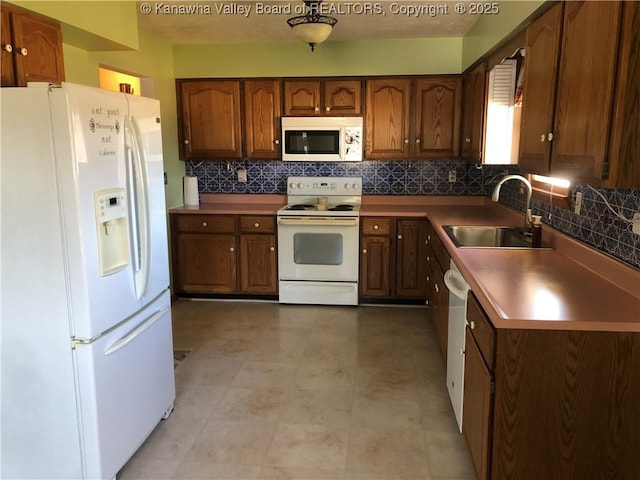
pixel 322 139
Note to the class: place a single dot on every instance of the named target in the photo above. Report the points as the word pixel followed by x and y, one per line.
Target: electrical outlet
pixel 636 223
pixel 578 205
pixel 242 175
pixel 453 176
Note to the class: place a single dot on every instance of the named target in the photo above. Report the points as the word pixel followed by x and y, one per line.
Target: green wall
pixel 373 57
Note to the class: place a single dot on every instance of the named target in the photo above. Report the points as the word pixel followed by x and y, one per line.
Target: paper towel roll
pixel 191 197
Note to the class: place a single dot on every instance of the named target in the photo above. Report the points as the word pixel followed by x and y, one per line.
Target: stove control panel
pixel 324 186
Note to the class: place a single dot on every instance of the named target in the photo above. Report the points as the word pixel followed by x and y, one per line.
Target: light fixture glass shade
pixel 312 32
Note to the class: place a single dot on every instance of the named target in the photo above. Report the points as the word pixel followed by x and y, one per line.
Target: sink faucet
pixel 527 212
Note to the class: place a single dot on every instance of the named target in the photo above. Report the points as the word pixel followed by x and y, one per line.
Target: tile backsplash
pixel 596 226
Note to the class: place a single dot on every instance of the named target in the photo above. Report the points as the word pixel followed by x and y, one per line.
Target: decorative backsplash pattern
pixel 596 226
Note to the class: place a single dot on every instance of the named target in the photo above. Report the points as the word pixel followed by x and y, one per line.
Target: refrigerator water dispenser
pixel 113 240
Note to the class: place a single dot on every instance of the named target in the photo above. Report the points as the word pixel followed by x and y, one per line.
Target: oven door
pixel 318 248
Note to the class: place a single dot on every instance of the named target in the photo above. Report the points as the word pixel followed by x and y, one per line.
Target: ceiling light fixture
pixel 312 28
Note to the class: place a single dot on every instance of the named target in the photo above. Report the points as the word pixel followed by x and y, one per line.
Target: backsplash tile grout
pixel 596 225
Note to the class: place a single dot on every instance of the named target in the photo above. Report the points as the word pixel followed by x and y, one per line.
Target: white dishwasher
pixel 458 287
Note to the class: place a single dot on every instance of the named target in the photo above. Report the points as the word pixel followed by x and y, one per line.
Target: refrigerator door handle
pixel 133 208
pixel 138 186
pixel 129 337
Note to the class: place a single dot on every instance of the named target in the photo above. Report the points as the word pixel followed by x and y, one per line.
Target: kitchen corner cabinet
pixel 258 258
pixel 413 117
pixel 31 48
pixel 224 254
pixel 390 266
pixel 209 120
pixel 550 403
pixel 322 97
pixel 574 123
pixel 262 107
pixel 473 106
pixel 436 260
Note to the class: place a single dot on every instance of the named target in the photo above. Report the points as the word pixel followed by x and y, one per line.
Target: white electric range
pixel 318 238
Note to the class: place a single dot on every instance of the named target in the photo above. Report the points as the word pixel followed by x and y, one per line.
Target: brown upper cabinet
pixel 210 121
pixel 582 75
pixel 31 48
pixel 322 97
pixel 413 117
pixel 262 107
pixel 473 110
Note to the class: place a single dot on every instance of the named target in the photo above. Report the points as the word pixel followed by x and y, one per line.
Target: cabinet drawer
pixel 206 223
pixel 376 226
pixel 482 330
pixel 257 224
pixel 439 251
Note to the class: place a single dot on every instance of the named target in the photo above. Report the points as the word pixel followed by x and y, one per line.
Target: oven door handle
pixel 324 221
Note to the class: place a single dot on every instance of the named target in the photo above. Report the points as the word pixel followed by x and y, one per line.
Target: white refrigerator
pixel 86 341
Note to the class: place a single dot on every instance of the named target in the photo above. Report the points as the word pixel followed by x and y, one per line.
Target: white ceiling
pixel 207 22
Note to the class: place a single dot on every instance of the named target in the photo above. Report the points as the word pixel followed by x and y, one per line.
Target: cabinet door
pixel 375 266
pixel 410 254
pixel 585 89
pixel 302 97
pixel 7 71
pixel 206 263
pixel 477 408
pixel 437 117
pixel 538 102
pixel 388 105
pixel 37 49
pixel 258 264
pixel 262 107
pixel 342 97
pixel 210 119
pixel 473 113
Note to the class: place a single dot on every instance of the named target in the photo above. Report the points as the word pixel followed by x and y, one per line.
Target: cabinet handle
pixel 542 138
pixel 467 140
pixel 428 258
pixel 550 136
pixel 376 227
pixel 8 48
pixel 276 141
pixel 272 249
pixel 204 224
pixel 364 250
pixel 328 109
pixel 316 109
pixel 231 249
pixel 186 142
pixel 418 140
pixel 436 288
pixel 472 325
pixel 428 278
pixel 406 140
pixel 399 237
pixel 23 52
pixel 256 224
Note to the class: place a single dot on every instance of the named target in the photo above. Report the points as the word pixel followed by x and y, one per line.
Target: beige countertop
pixel 568 287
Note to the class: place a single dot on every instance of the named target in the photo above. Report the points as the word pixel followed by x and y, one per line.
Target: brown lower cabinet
pixel 206 259
pixel 437 261
pixel 391 253
pixel 550 404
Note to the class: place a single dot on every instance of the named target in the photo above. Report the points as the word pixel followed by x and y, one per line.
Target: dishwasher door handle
pixel 456 284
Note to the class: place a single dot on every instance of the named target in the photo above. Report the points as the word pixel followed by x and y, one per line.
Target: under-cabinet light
pixel 556 182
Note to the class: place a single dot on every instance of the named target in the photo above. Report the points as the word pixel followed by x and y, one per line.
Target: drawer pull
pixel 204 224
pixel 272 249
pixel 256 224
pixel 399 237
pixel 231 249
pixel 364 250
pixel 376 227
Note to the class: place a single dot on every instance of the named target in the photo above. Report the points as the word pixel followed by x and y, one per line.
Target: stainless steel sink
pixel 488 236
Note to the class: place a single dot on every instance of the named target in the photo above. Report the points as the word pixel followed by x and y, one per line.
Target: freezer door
pixel 153 272
pixel 125 385
pixel 91 157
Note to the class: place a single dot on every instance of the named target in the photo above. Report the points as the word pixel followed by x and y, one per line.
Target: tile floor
pixel 275 391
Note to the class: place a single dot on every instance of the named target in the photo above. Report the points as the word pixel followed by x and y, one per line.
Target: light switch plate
pixel 453 176
pixel 242 175
pixel 636 223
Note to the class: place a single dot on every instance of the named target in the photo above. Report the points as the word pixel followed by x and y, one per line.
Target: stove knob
pixel 347 186
pixel 299 185
pixel 291 185
pixel 354 186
